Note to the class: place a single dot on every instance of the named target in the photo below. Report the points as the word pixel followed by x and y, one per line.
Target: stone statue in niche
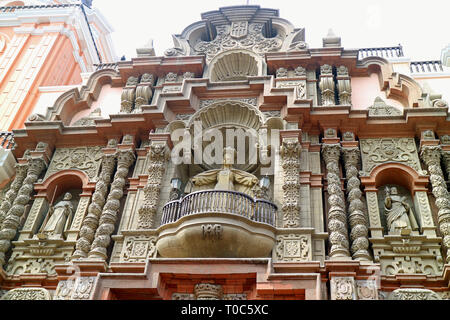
pixel 399 215
pixel 58 219
pixel 227 178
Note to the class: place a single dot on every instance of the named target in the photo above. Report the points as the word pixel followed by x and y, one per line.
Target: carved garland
pixel 158 158
pixel 90 223
pixel 431 156
pixel 111 209
pixel 357 218
pixel 337 220
pixel 290 153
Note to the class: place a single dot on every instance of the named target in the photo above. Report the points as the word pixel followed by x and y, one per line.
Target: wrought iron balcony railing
pixel 6 140
pixel 426 66
pixel 384 52
pixel 216 202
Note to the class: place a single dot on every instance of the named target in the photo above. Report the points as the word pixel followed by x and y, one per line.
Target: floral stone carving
pixel 27 294
pixel 414 294
pixel 379 151
pixel 138 249
pixel 86 159
pixel 293 248
pixel 343 288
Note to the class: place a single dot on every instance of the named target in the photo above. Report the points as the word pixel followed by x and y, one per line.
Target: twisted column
pixel 359 224
pixel 290 153
pixel 12 220
pixel 111 209
pixel 157 167
pixel 91 221
pixel 337 219
pixel 446 158
pixel 21 172
pixel 431 156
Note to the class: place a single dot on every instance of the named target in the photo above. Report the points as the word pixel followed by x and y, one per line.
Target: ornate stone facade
pixel 321 192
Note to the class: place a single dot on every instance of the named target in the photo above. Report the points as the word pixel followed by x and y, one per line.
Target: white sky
pixel 422 27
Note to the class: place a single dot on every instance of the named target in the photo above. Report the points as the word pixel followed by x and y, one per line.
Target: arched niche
pixel 235 65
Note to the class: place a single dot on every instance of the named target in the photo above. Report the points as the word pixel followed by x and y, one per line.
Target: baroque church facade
pixel 241 165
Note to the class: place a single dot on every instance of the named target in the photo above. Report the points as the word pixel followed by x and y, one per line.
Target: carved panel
pixel 299 86
pixel 80 288
pixel 293 248
pixel 414 294
pixel 86 159
pixel 366 290
pixel 379 151
pixel 343 288
pixel 251 101
pixel 27 294
pixel 138 249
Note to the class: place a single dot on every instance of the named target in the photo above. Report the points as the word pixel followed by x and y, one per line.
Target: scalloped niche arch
pixel 235 65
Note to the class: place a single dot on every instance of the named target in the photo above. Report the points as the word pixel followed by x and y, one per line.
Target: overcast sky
pixel 422 27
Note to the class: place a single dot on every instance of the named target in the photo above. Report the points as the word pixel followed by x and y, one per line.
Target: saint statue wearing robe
pixel 399 215
pixel 59 219
pixel 227 178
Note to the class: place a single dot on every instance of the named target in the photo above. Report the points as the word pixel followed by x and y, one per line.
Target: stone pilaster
pixel 290 154
pixel 327 85
pixel 337 218
pixel 344 86
pixel 91 221
pixel 128 95
pixel 358 221
pixel 21 172
pixel 157 167
pixel 110 212
pixel 12 221
pixel 144 92
pixel 431 156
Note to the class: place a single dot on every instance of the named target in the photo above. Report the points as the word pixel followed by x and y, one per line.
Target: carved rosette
pixel 157 166
pixel 337 219
pixel 14 215
pixel 8 200
pixel 110 212
pixel 344 86
pixel 91 221
pixel 290 153
pixel 327 85
pixel 431 156
pixel 206 291
pixel 359 224
pixel 343 288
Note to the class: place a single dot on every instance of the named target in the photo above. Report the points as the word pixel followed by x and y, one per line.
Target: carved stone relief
pixel 379 151
pixel 381 109
pixel 413 294
pixel 252 40
pixel 366 289
pixel 86 159
pixel 212 232
pixel 326 85
pixel 299 86
pixel 251 101
pixel 138 249
pixel 206 291
pixel 293 248
pixel 343 288
pixel 90 120
pixel 344 86
pixel 80 288
pixel 27 294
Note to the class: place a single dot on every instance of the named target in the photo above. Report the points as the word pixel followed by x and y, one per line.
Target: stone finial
pixel 331 40
pixel 147 50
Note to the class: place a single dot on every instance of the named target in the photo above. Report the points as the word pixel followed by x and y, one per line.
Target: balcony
pixel 217 224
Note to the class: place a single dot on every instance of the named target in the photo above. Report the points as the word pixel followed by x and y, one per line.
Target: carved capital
pixel 431 155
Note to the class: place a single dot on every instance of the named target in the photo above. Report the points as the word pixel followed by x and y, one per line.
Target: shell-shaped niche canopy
pixel 234 65
pixel 236 124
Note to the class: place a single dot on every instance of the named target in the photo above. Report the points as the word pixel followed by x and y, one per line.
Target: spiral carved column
pixel 12 220
pixel 91 221
pixel 111 209
pixel 359 224
pixel 21 172
pixel 337 219
pixel 431 156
